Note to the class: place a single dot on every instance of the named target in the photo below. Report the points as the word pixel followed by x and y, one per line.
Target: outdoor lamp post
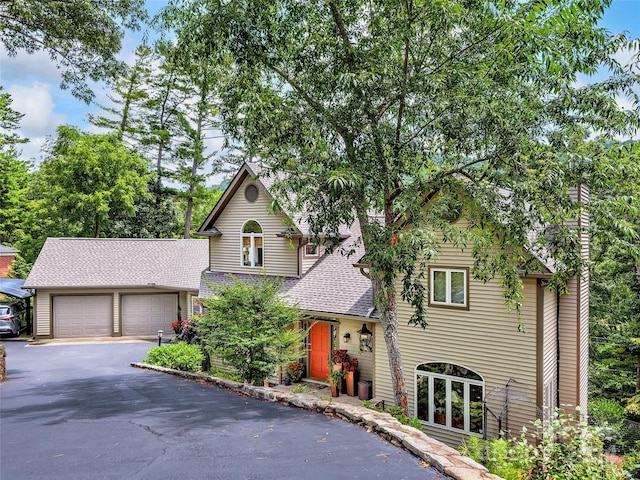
pixel 159 337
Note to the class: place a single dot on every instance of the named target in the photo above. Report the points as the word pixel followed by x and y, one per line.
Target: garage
pixel 82 316
pixel 144 315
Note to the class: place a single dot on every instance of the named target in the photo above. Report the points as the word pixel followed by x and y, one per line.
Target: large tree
pixel 82 37
pixel 14 173
pixel 86 181
pixel 364 108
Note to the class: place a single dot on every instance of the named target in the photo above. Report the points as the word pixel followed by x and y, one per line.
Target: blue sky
pixel 33 80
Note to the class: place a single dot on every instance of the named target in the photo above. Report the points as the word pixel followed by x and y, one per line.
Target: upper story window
pixel 449 287
pixel 311 250
pixel 252 254
pixel 450 396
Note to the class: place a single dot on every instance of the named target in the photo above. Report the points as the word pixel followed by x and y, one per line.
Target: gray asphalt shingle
pixel 114 262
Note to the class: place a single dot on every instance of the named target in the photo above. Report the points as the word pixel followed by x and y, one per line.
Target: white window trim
pixel 448 271
pixel 196 309
pixel 467 382
pixel 312 255
pixel 252 247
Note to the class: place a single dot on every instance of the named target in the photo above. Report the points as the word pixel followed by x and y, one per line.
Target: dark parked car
pixel 9 320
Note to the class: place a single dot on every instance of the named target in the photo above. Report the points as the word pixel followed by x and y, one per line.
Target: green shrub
pixel 631 464
pixel 397 413
pixel 563 448
pixel 221 373
pixel 249 327
pixel 605 410
pixel 179 356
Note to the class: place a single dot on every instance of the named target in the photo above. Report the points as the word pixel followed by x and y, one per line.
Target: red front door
pixel 319 347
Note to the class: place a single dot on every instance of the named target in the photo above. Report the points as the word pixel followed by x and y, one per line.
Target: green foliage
pixel 222 373
pixel 498 456
pixel 250 327
pixel 81 37
pixel 360 107
pixel 564 448
pixel 300 388
pixel 396 412
pixel 614 175
pixel 631 464
pixel 85 181
pixel 605 410
pixel 178 356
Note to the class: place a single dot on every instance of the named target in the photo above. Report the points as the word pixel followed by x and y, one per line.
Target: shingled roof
pixel 123 263
pixel 333 286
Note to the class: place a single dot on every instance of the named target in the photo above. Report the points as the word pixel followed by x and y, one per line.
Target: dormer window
pixel 252 244
pixel 311 250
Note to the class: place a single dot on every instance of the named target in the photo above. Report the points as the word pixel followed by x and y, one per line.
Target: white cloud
pixel 28 67
pixel 40 119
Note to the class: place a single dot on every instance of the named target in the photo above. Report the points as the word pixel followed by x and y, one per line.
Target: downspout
pixel 557 349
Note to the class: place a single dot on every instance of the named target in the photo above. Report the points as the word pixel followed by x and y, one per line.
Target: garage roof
pixel 115 262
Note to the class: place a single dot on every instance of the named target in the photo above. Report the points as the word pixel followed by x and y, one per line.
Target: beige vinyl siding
pixel 584 307
pixel 549 337
pixel 568 380
pixel 280 254
pixel 308 262
pixel 366 360
pixel 43 302
pixel 484 338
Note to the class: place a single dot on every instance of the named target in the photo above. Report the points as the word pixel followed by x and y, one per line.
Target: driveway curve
pixel 71 411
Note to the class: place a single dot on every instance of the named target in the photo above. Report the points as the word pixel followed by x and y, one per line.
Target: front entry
pixel 319 349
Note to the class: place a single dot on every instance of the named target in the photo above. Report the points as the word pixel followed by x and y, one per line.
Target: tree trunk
pixel 638 375
pixel 389 324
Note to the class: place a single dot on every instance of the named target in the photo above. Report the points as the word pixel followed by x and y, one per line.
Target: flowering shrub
pixel 177 326
pixel 295 371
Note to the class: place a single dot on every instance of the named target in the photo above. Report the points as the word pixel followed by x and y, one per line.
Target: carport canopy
pixel 13 288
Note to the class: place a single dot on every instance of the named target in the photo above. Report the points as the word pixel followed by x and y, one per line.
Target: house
pixel 7 256
pixel 100 287
pixel 472 371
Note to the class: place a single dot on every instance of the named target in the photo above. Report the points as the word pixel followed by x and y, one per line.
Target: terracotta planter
pixel 334 391
pixel 350 379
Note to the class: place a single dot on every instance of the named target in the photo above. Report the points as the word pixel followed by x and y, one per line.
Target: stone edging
pixel 438 455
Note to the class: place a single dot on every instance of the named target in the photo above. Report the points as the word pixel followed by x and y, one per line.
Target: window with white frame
pixel 252 247
pixel 449 287
pixel 196 306
pixel 449 396
pixel 311 250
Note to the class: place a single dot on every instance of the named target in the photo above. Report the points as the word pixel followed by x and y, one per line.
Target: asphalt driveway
pixel 73 411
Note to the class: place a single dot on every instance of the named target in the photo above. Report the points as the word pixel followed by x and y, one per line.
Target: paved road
pixel 80 412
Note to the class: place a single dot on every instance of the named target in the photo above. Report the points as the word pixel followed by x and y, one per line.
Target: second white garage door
pixel 144 315
pixel 82 316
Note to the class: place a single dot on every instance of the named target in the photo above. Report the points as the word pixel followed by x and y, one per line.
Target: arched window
pixel 449 396
pixel 252 250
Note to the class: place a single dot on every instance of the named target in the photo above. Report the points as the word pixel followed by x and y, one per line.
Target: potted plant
pixel 338 357
pixel 349 367
pixel 335 379
pixel 295 371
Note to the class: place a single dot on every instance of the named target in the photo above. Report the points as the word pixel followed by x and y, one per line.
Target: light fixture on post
pixel 160 332
pixel 366 339
pixel 346 338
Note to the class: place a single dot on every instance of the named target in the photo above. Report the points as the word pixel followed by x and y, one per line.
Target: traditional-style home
pixel 102 287
pixel 472 371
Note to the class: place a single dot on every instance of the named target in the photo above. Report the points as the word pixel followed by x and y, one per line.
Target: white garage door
pixel 82 316
pixel 144 315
